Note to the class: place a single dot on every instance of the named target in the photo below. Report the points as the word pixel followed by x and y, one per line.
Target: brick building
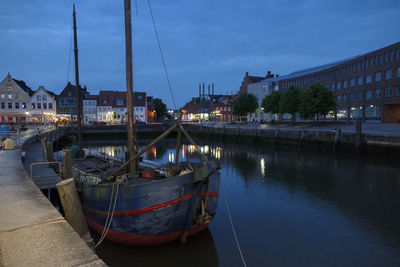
pixel 366 86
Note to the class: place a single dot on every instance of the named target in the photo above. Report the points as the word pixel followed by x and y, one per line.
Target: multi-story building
pixel 90 108
pixel 119 107
pixel 366 86
pixel 43 105
pixel 260 90
pixel 252 79
pixel 105 106
pixel 14 99
pixel 139 106
pixel 66 101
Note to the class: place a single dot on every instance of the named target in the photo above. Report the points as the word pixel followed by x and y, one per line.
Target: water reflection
pixel 292 208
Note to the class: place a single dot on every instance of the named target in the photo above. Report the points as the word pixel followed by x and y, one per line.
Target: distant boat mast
pixel 77 86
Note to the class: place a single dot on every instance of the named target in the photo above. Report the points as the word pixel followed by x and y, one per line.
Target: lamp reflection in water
pixel 171 157
pixel 262 166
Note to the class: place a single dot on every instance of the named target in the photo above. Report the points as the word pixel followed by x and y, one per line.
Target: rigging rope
pixel 162 55
pixel 109 216
pixel 69 57
pixel 233 227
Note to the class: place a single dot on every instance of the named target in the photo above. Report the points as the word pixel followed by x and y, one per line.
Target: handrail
pixel 43 163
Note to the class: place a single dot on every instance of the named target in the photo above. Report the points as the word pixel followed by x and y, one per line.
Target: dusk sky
pixel 203 41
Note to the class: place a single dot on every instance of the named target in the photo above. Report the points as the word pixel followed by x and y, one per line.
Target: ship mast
pixel 77 86
pixel 129 85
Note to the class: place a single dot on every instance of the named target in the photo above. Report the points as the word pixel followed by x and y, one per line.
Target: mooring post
pixel 358 132
pixel 50 151
pixel 67 169
pixel 72 208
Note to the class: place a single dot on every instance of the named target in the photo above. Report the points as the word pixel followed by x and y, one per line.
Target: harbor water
pixel 288 207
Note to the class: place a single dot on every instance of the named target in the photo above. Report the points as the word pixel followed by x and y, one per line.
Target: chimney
pixel 277 75
pixel 247 74
pixel 203 90
pixel 199 89
pixel 213 88
pixel 208 90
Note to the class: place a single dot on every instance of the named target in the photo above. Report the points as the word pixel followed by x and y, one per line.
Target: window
pixel 9 105
pixel 371 62
pixel 39 105
pixel 50 105
pixel 391 56
pixel 69 93
pixel 388 74
pixel 3 105
pixel 368 94
pixel 23 105
pixel 338 99
pixel 9 96
pixel 380 59
pixel 351 97
pixel 378 77
pixel 120 102
pixel 338 86
pixel 16 105
pixel 139 97
pixel 2 96
pixel 359 96
pixel 39 97
pixel 376 60
pixel 333 87
pixel 397 53
pixel 358 66
pixel 352 82
pixel 388 92
pixel 386 57
pixel 45 97
pixel 368 78
pixel 398 91
pixel 34 105
pixel 344 98
pixel 398 72
pixel 377 93
pixel 44 105
pixel 360 80
pixel 344 84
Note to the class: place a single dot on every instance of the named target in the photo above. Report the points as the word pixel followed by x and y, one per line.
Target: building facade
pixel 261 90
pixel 90 109
pixel 14 100
pixel 43 106
pixel 365 86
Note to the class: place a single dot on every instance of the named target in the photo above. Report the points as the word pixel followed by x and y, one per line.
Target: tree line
pixel 309 104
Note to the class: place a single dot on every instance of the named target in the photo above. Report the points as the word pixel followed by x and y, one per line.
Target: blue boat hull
pixel 154 212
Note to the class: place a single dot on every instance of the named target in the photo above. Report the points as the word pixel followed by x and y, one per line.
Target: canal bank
pixel 32 231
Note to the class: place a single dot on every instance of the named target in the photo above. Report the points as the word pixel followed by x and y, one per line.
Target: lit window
pixel 23 105
pixel 378 77
pixel 388 74
pixel 2 96
pixel 9 96
pixel 34 105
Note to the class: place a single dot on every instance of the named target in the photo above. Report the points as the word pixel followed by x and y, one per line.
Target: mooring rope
pixel 233 227
pixel 109 216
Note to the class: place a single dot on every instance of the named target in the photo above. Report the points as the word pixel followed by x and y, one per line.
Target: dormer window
pixel 69 93
pixel 120 102
pixel 38 97
pixel 45 97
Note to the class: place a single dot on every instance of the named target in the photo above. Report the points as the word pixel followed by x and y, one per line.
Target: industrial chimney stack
pixel 213 88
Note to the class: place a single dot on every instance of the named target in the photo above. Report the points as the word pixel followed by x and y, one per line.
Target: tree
pixel 245 104
pixel 290 102
pixel 195 100
pixel 270 103
pixel 159 107
pixel 317 99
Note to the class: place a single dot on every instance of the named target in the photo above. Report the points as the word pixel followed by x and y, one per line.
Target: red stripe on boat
pixel 151 208
pixel 141 240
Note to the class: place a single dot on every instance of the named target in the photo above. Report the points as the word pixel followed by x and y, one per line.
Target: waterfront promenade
pixel 32 231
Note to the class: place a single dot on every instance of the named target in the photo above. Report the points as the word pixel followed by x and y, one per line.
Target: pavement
pixel 32 231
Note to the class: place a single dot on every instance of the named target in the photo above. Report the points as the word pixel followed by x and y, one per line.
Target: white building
pixel 43 106
pixel 260 90
pixel 90 109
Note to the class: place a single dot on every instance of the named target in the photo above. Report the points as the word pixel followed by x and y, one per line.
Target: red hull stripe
pixel 151 208
pixel 141 240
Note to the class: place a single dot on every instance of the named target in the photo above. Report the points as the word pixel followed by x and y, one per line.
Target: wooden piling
pixel 358 132
pixel 49 146
pixel 67 168
pixel 72 208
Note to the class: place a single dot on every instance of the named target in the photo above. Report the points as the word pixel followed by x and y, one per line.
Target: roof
pixel 24 87
pixel 47 91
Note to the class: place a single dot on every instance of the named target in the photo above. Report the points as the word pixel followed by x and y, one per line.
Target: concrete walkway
pixel 32 231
